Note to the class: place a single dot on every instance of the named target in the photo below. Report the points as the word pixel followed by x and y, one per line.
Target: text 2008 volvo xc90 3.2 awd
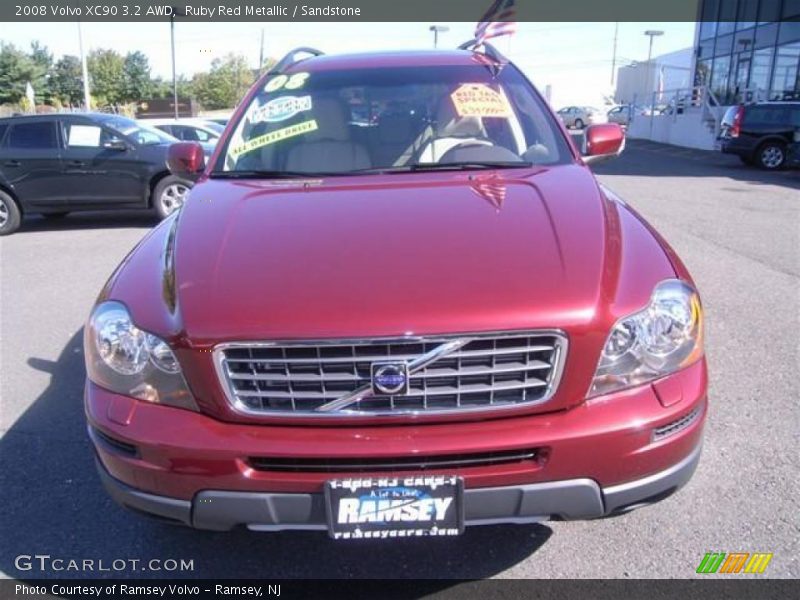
pixel 396 303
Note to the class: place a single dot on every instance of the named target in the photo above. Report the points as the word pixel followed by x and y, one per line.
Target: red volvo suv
pixel 397 303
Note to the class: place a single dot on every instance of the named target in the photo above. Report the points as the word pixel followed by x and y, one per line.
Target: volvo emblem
pixel 390 379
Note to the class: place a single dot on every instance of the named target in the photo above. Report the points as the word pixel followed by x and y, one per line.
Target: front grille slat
pixel 383 357
pixel 405 463
pixel 480 371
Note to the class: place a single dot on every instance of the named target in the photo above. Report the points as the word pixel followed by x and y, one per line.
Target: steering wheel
pixel 462 142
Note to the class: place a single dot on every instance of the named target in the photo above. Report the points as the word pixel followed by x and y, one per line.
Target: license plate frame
pixel 384 507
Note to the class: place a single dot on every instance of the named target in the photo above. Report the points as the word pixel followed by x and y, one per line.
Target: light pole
pixel 174 13
pixel 651 33
pixel 437 29
pixel 614 54
pixel 84 72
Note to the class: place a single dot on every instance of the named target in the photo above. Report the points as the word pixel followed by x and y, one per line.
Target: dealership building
pixel 749 45
pixel 744 51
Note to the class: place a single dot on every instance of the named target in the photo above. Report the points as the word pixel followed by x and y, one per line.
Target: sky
pixel 573 58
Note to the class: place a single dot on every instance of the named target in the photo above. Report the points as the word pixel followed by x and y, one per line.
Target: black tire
pixel 771 156
pixel 10 215
pixel 167 197
pixel 55 215
pixel 579 124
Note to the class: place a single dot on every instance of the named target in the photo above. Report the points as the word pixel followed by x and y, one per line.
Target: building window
pixel 720 78
pixel 703 73
pixel 747 14
pixel 769 11
pixel 727 17
pixel 760 70
pixel 791 8
pixel 786 77
pixel 708 25
pixel 790 32
pixel 766 35
pixel 745 40
pixel 724 45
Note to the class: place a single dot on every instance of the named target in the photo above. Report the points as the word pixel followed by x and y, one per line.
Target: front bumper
pixel 601 457
pixel 570 499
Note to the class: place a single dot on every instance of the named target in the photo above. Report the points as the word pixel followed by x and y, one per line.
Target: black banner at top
pixel 344 10
pixel 444 589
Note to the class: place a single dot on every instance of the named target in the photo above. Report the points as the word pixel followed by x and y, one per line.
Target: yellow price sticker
pixel 273 137
pixel 479 100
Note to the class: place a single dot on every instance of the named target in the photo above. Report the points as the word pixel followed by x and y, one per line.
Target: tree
pixel 138 83
pixel 107 74
pixel 41 60
pixel 66 81
pixel 162 88
pixel 18 68
pixel 225 84
pixel 12 65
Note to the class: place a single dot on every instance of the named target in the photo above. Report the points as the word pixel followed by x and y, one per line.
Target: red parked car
pixel 396 324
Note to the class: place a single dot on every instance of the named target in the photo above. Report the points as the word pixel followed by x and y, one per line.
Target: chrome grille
pixel 453 373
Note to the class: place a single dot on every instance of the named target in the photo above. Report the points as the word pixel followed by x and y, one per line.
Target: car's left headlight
pixel 127 360
pixel 665 336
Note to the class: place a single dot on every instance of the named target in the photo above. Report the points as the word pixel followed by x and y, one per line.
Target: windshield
pixel 368 120
pixel 147 136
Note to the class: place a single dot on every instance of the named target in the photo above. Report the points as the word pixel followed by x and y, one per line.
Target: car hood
pixel 390 255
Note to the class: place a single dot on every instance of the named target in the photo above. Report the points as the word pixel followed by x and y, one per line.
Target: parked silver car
pixel 581 116
pixel 621 114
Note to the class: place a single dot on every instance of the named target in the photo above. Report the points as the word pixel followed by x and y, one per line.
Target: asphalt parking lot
pixel 737 229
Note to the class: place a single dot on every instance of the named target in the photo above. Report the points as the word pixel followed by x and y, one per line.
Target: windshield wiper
pixel 450 166
pixel 265 174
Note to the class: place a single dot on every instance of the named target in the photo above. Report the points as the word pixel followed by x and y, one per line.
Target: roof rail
pixel 291 59
pixel 488 50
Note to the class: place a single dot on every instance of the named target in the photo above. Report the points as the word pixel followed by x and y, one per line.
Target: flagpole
pixel 85 72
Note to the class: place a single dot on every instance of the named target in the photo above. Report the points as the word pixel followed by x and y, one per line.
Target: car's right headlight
pixel 127 360
pixel 665 336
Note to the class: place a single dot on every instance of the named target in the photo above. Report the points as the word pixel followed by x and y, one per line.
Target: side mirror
pixel 115 144
pixel 603 142
pixel 186 160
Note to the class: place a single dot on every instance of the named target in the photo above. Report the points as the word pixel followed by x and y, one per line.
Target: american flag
pixel 498 20
pixel 491 188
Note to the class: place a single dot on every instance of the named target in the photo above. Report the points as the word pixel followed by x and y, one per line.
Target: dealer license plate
pixel 395 507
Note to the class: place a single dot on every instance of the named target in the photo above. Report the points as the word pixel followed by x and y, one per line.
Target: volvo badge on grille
pixel 390 379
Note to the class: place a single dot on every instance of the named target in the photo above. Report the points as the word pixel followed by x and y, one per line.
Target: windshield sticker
pixel 280 109
pixel 479 100
pixel 294 82
pixel 273 137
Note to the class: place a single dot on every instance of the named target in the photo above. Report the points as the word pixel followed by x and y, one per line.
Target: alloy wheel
pixel 4 214
pixel 172 197
pixel 772 157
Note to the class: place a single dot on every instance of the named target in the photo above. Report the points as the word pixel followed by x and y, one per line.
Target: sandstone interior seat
pixel 330 148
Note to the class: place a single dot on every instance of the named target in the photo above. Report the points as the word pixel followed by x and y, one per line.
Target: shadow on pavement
pixel 53 503
pixel 648 159
pixel 89 220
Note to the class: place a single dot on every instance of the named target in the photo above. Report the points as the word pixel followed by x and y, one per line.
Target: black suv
pixel 55 164
pixel 766 134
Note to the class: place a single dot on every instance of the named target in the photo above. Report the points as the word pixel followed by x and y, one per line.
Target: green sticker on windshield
pixel 273 137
